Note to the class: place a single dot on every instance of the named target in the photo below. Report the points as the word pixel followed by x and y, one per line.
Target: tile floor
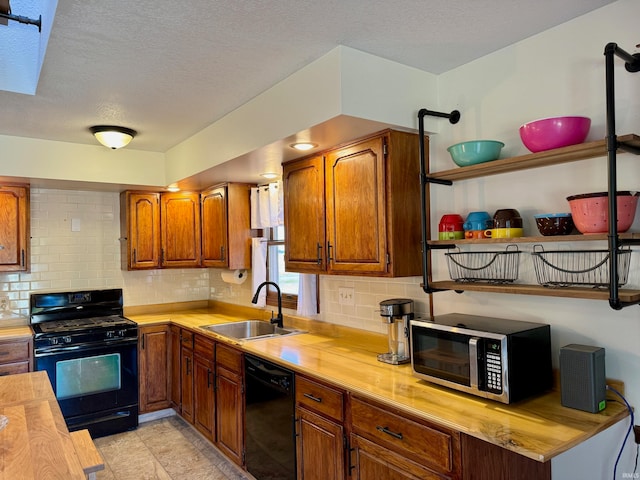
pixel 164 449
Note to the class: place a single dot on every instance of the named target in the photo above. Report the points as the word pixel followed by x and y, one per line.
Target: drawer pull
pixel 312 397
pixel 389 432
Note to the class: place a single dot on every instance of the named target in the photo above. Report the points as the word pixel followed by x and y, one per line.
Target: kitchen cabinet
pixel 15 232
pixel 355 209
pixel 230 403
pixel 153 367
pixel 226 229
pixel 160 230
pixel 16 356
pixel 175 369
pixel 571 153
pixel 186 375
pixel 390 444
pixel 203 385
pixel 320 435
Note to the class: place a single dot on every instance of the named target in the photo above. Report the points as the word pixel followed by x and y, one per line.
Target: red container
pixel 590 211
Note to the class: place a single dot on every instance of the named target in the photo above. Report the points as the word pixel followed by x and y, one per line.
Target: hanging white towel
pixel 259 268
pixel 307 295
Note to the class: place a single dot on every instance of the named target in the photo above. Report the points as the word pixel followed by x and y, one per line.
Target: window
pixel 287 281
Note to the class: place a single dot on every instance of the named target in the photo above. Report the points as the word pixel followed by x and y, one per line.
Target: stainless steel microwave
pixel 496 358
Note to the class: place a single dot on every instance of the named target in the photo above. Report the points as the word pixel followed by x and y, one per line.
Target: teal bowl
pixel 475 151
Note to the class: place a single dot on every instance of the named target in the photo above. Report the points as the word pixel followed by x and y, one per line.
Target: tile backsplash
pixel 75 245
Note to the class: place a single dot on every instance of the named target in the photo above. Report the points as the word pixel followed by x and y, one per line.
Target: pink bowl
pixel 590 211
pixel 554 132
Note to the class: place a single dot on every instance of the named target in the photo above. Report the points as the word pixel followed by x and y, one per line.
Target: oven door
pixel 443 356
pixel 96 386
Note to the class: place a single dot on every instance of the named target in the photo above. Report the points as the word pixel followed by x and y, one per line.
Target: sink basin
pixel 250 330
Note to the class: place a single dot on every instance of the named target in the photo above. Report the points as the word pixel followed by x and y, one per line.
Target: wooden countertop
pixel 35 443
pixel 539 428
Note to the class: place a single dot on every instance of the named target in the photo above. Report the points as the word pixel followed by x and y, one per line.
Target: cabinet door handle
pixel 188 366
pixel 389 432
pixel 319 249
pixel 208 378
pixel 142 342
pixel 222 253
pixel 134 255
pixel 313 397
pixel 22 258
pixel 329 252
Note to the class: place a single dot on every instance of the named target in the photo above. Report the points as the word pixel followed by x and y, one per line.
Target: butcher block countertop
pixel 36 444
pixel 539 428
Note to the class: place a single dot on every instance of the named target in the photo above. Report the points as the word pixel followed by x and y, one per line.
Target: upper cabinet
pixel 226 234
pixel 14 228
pixel 355 209
pixel 160 230
pixel 186 229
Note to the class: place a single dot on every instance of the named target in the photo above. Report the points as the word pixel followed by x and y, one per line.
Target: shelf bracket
pixel 453 117
pixel 632 64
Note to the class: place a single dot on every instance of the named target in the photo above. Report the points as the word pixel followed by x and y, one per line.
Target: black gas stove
pixel 89 350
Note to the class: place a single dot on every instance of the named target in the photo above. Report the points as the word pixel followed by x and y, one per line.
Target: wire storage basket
pixel 564 268
pixel 491 267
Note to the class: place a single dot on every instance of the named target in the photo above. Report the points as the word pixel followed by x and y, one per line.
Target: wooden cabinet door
pixel 181 237
pixel 153 367
pixel 356 208
pixel 230 403
pixel 140 229
pixel 370 461
pixel 175 368
pixel 304 215
pixel 204 398
pixel 319 447
pixel 215 246
pixel 186 380
pixel 14 229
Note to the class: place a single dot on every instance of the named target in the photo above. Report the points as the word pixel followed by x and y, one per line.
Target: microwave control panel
pixel 493 366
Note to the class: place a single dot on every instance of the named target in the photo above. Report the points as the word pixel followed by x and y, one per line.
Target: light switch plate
pixel 346 296
pixel 4 302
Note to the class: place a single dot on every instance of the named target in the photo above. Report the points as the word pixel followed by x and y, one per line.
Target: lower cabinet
pixel 186 375
pixel 204 386
pixel 320 434
pixel 230 403
pixel 153 367
pixel 390 444
pixel 15 356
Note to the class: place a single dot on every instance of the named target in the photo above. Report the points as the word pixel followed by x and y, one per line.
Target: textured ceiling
pixel 168 69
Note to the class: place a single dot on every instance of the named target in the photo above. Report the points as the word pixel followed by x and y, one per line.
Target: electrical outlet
pixel 346 296
pixel 4 302
pixel 636 431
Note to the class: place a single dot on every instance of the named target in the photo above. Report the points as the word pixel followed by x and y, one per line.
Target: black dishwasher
pixel 269 420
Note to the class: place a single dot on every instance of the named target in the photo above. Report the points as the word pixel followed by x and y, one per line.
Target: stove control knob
pixel 53 341
pixel 66 339
pixel 110 334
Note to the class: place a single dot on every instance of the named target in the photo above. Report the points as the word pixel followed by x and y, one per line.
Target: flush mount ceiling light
pixel 303 146
pixel 112 136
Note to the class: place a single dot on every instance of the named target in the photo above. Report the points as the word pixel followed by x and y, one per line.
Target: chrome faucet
pixel 278 320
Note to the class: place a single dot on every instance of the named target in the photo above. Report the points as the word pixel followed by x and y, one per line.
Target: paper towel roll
pixel 234 276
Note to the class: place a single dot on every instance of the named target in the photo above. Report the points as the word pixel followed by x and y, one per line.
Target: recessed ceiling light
pixel 269 175
pixel 303 146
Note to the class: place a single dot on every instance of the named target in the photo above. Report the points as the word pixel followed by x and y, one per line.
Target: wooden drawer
pixel 15 351
pixel 186 338
pixel 203 347
pixel 430 446
pixel 13 368
pixel 228 357
pixel 320 398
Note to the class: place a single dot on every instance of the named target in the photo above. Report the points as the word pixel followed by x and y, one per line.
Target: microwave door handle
pixel 473 362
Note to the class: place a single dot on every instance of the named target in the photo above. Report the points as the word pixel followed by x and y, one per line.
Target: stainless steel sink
pixel 250 330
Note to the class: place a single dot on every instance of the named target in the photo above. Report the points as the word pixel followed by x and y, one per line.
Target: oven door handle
pixel 473 361
pixel 82 347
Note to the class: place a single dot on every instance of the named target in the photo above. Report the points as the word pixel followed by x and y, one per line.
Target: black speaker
pixel 583 382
